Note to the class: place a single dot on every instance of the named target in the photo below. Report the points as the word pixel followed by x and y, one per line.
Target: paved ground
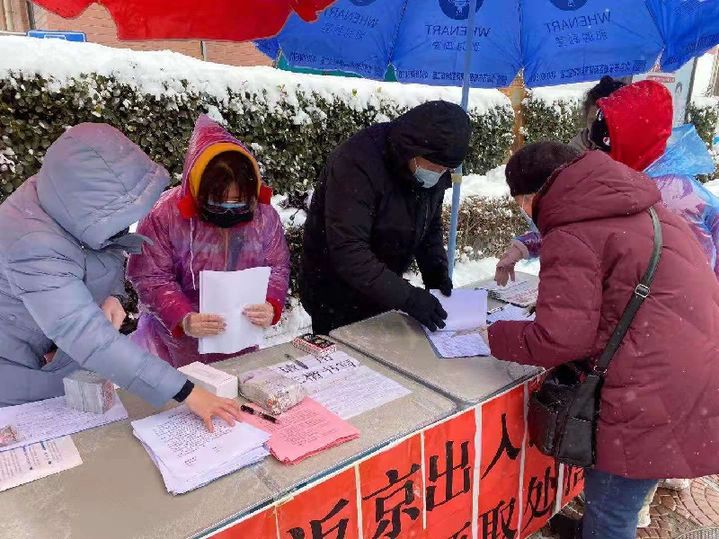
pixel 690 514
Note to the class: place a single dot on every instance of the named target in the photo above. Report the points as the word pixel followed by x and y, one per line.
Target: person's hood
pixel 95 183
pixel 593 187
pixel 686 155
pixel 208 140
pixel 437 130
pixel 639 118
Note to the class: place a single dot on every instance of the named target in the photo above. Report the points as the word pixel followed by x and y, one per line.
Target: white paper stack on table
pixel 341 383
pixel 227 293
pixel 189 456
pixel 466 312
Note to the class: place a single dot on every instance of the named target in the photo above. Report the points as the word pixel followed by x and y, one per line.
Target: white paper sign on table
pixel 24 464
pixel 227 293
pixel 466 309
pixel 510 313
pixel 45 420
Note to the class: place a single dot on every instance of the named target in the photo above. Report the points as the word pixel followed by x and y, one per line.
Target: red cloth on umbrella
pixel 234 20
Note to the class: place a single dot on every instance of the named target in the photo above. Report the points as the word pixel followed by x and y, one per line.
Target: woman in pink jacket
pixel 219 219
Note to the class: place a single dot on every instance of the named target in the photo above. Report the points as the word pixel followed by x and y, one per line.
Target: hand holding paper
pixel 228 294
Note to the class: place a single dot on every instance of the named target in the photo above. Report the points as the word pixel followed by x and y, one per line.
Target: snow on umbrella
pixel 448 43
pixel 234 20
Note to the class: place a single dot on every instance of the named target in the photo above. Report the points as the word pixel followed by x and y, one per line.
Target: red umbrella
pixel 234 20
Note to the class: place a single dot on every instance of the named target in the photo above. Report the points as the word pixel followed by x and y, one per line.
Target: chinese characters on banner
pixel 540 483
pixel 432 477
pixel 327 511
pixel 449 461
pixel 391 490
pixel 500 470
pixel 572 484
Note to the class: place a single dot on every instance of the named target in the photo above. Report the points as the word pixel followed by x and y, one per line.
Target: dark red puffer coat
pixel 660 403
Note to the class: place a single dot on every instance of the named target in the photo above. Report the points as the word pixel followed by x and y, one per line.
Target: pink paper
pixel 303 431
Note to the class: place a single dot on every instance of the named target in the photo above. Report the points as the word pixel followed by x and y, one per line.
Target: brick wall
pixel 97 23
pixel 13 16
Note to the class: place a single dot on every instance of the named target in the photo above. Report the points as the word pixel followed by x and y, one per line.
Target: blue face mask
pixel 224 207
pixel 426 178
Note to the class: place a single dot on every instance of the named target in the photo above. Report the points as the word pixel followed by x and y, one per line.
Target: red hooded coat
pixel 660 402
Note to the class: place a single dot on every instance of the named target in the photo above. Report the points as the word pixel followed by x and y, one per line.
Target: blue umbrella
pixel 486 43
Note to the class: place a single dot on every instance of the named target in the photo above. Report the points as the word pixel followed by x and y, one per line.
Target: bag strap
pixel 641 292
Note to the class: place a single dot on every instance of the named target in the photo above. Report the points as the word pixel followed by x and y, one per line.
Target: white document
pixel 453 345
pixel 189 456
pixel 360 392
pixel 24 464
pixel 466 308
pixel 227 293
pixel 45 420
pixel 341 383
pixel 510 313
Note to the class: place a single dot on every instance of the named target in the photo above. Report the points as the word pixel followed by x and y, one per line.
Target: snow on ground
pixel 164 72
pixel 493 185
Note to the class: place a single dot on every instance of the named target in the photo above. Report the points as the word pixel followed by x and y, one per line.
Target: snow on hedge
pixel 163 72
pixel 568 93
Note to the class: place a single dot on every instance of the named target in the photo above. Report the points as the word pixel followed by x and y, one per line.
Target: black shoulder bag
pixel 563 413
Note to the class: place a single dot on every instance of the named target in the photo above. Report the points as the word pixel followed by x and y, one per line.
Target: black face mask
pixel 226 218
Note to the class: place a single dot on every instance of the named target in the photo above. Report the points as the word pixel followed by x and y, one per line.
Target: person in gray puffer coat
pixel 62 253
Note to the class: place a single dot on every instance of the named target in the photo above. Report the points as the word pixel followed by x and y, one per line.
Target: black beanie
pixel 530 168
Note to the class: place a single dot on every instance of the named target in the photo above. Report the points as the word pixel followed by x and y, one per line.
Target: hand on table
pixel 200 325
pixel 426 309
pixel 260 315
pixel 114 312
pixel 205 405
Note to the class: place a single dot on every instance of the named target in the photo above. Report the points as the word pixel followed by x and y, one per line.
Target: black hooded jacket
pixel 369 217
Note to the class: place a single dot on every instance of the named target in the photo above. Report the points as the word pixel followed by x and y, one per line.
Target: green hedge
pixel 35 110
pixel 560 119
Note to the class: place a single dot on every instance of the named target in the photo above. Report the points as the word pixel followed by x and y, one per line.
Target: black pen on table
pixel 250 410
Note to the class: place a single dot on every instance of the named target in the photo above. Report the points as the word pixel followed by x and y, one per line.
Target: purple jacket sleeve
pixel 152 273
pixel 532 241
pixel 277 255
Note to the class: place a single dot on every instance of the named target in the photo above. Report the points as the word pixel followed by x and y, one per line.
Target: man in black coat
pixel 377 207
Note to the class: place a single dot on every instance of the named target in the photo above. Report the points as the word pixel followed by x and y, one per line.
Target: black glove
pixel 443 284
pixel 426 309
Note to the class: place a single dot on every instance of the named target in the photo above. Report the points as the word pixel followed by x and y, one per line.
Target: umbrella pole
pixel 458 172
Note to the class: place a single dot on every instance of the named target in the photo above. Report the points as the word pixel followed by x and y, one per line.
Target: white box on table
pixel 213 380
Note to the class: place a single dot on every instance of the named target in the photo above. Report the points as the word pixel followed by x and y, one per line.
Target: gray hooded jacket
pixel 60 258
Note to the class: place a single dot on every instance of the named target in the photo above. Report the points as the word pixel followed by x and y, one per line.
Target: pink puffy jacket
pixel 166 275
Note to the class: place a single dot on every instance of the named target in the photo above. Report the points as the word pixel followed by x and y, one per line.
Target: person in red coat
pixel 659 414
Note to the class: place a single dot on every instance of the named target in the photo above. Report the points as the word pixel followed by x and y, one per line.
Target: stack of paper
pixel 227 293
pixel 341 383
pixel 189 456
pixel 466 309
pixel 303 431
pixel 521 292
pixel 457 344
pixel 510 313
pixel 45 420
pixel 24 464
